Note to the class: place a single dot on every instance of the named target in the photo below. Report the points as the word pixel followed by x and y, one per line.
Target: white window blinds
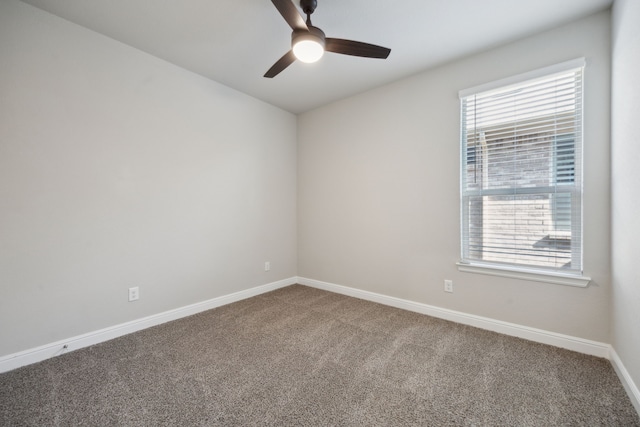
pixel 521 172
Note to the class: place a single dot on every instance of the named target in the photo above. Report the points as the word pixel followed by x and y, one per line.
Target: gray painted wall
pixel 625 180
pixel 118 169
pixel 378 189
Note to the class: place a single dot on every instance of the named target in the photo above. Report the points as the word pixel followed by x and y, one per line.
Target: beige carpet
pixel 301 356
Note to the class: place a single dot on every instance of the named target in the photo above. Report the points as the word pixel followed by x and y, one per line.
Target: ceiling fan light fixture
pixel 307 46
pixel 308 51
pixel 308 42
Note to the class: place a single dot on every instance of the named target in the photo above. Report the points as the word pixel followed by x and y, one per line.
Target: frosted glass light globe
pixel 308 50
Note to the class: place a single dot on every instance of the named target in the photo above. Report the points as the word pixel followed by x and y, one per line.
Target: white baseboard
pixel 627 381
pixel 47 351
pixel 579 345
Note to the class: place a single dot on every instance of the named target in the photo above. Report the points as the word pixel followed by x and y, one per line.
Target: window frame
pixel 533 273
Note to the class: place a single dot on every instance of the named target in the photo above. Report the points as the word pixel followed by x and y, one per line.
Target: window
pixel 521 169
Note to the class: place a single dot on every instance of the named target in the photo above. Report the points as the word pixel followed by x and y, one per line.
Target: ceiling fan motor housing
pixel 315 34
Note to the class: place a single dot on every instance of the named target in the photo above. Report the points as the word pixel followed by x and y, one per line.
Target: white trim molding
pixel 626 380
pixel 579 345
pixel 522 274
pixel 47 351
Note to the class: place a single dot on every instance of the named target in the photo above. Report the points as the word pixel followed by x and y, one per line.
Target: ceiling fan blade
pixel 350 47
pixel 281 64
pixel 290 14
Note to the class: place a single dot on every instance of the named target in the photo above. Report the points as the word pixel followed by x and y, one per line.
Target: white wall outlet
pixel 267 266
pixel 448 285
pixel 134 293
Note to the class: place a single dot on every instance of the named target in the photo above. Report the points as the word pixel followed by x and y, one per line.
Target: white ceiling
pixel 235 42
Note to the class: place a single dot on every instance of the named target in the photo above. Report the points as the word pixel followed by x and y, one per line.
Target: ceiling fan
pixel 308 43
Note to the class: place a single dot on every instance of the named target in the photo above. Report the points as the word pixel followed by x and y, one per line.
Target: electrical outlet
pixel 267 266
pixel 448 285
pixel 134 293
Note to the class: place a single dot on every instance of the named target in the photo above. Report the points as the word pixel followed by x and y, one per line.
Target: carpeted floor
pixel 302 356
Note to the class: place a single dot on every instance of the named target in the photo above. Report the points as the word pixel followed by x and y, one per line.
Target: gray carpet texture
pixel 300 356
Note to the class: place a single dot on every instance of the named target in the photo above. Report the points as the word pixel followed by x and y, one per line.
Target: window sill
pixel 536 276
